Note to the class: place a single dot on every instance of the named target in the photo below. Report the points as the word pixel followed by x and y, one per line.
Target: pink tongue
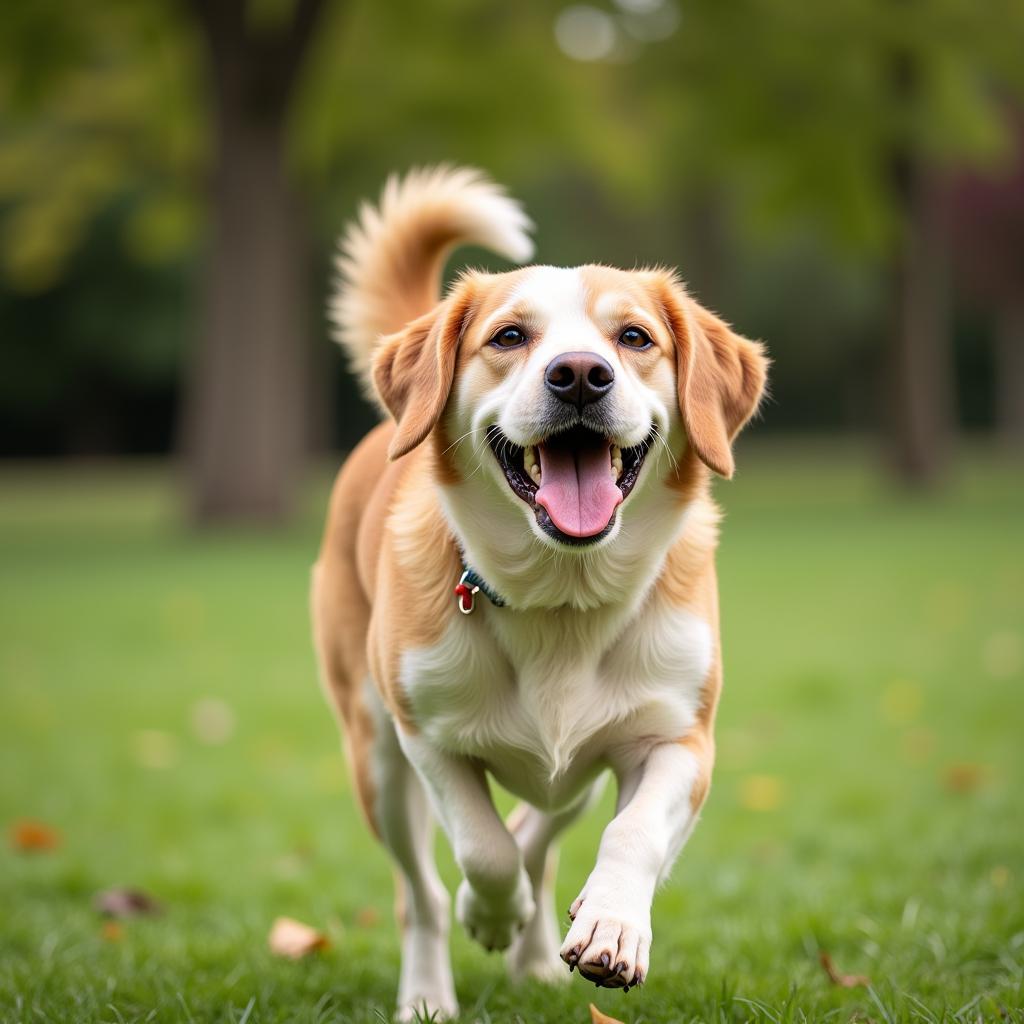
pixel 577 488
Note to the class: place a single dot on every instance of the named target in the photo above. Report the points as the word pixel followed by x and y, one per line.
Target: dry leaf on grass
pixel 367 917
pixel 842 980
pixel 964 777
pixel 30 836
pixel 112 931
pixel 124 902
pixel 293 939
pixel 597 1017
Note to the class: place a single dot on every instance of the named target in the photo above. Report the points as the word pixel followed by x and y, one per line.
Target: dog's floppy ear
pixel 721 377
pixel 414 368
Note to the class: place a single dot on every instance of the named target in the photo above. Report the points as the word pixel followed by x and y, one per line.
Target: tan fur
pixel 689 581
pixel 393 256
pixel 413 579
pixel 414 368
pixel 341 609
pixel 419 566
pixel 721 375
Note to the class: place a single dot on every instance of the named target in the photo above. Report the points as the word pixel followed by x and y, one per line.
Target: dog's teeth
pixel 530 463
pixel 616 462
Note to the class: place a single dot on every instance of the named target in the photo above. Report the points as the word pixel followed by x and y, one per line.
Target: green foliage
pixel 786 106
pixel 873 657
pixel 99 107
pixel 793 104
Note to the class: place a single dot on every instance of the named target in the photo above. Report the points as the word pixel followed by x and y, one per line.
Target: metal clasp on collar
pixel 465 593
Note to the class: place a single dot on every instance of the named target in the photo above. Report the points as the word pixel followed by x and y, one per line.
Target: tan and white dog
pixel 549 442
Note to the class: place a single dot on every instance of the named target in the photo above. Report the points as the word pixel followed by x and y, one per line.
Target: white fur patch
pixel 541 696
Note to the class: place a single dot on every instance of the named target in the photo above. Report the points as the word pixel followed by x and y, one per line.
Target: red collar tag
pixel 465 594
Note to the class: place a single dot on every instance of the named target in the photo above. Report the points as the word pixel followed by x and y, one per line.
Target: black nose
pixel 579 378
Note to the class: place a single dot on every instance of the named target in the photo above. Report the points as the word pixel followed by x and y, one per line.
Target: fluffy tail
pixel 392 256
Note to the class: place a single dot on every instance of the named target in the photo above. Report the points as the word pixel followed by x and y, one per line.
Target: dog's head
pixel 567 385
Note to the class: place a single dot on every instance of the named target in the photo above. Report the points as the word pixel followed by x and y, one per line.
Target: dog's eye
pixel 633 337
pixel 509 337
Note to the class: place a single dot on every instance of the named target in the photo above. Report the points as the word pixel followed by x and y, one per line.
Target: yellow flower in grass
pixel 761 793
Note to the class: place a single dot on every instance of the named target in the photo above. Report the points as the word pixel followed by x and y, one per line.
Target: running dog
pixel 517 577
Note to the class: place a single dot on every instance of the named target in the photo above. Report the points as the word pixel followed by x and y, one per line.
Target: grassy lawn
pixel 158 707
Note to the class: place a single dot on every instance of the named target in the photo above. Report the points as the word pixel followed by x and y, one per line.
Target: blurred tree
pixel 989 235
pixel 137 105
pixel 919 392
pixel 849 115
pixel 97 113
pixel 245 413
pixel 802 140
pixel 108 111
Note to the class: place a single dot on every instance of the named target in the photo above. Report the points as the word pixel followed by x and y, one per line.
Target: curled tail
pixel 392 256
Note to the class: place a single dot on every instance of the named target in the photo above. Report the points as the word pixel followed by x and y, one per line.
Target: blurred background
pixel 845 181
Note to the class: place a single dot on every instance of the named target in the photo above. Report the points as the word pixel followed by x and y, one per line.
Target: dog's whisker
pixel 664 443
pixel 459 440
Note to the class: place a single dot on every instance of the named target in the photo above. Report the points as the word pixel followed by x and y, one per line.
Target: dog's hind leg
pixel 403 820
pixel 534 953
pixel 392 800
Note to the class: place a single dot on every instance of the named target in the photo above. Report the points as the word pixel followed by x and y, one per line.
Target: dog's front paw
pixel 494 920
pixel 609 941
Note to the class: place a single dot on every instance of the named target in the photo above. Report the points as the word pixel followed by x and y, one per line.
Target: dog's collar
pixel 470 584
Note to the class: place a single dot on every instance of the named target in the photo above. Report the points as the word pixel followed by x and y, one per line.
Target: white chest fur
pixel 545 699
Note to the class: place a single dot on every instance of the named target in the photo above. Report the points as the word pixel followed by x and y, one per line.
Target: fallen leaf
pixel 964 777
pixel 31 836
pixel 294 940
pixel 368 917
pixel 112 931
pixel 842 980
pixel 597 1017
pixel 124 902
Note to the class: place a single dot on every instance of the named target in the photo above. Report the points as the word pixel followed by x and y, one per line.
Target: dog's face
pixel 568 384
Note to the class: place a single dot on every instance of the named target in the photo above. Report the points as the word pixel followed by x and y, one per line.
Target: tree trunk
pixel 920 377
pixel 245 418
pixel 1009 374
pixel 921 402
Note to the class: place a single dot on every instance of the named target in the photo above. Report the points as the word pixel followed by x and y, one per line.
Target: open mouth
pixel 574 481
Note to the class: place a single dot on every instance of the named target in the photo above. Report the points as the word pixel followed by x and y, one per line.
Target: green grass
pixel 868 799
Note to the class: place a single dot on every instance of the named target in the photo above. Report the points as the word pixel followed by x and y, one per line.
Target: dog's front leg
pixel 495 898
pixel 610 937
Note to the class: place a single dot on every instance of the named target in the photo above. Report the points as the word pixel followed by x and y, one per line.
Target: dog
pixel 517 576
